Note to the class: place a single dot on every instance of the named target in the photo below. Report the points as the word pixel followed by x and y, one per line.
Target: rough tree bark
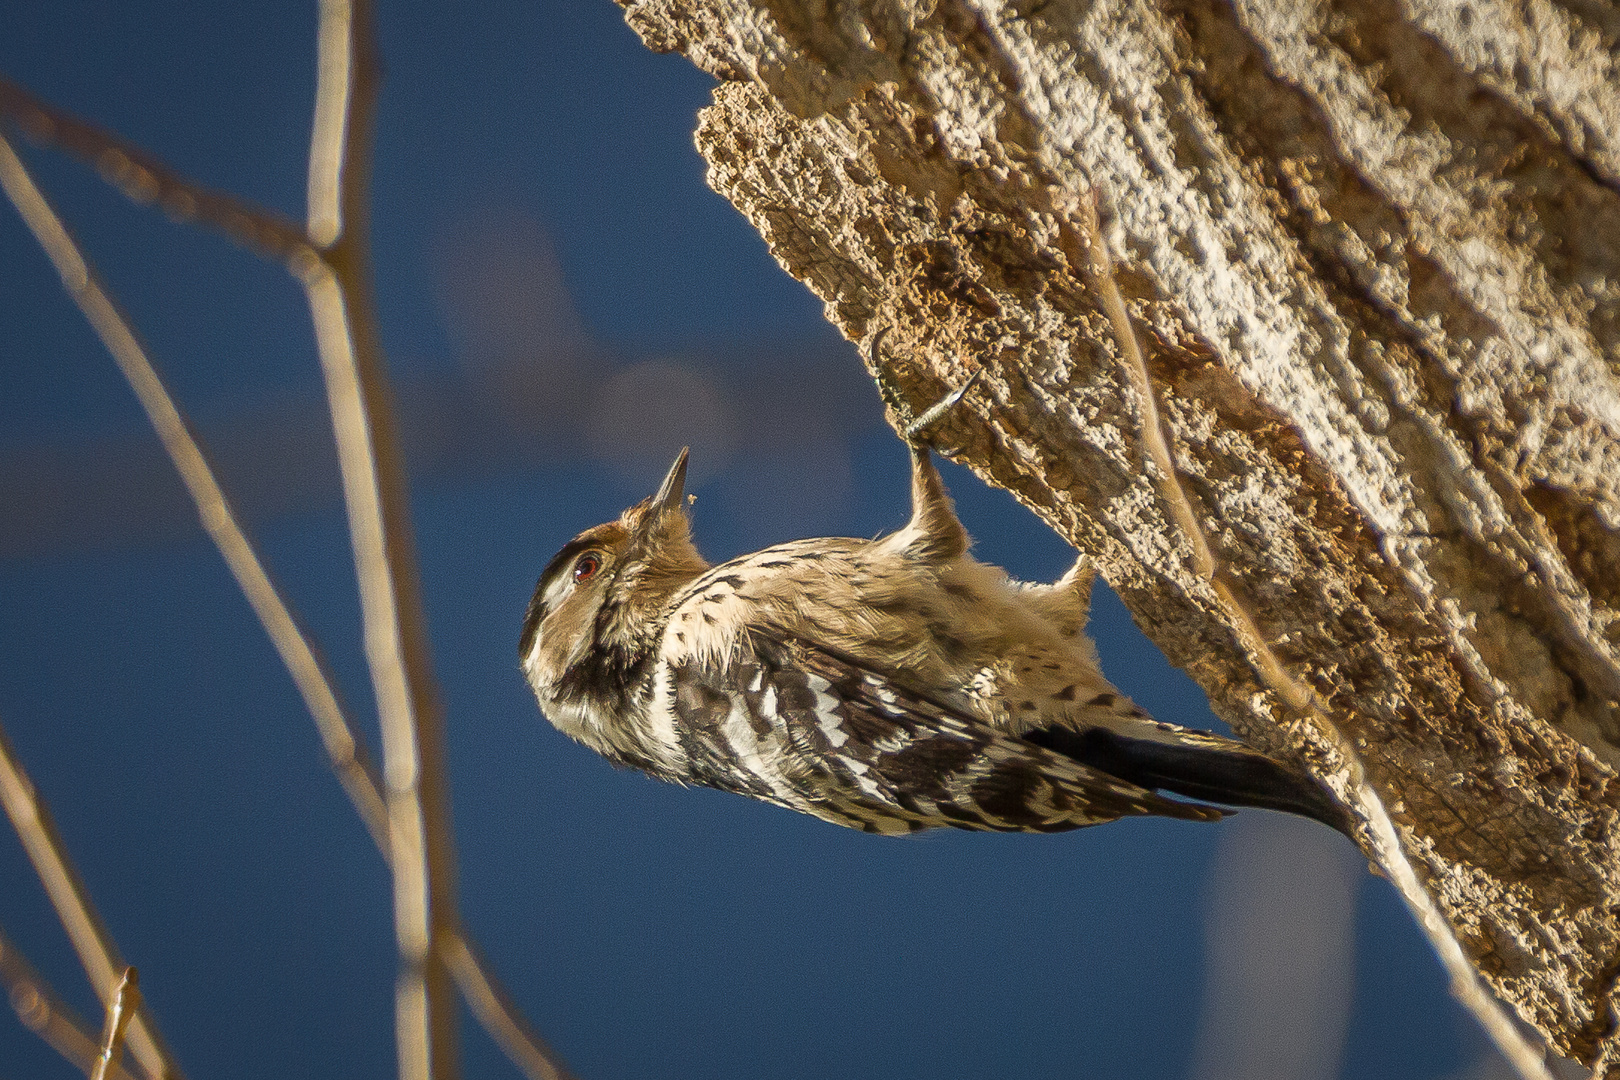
pixel 1372 248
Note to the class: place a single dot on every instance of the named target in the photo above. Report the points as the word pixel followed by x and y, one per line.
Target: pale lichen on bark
pixel 1373 250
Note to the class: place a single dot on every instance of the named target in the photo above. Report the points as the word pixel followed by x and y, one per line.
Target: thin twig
pixel 375 493
pixel 218 517
pixel 145 179
pixel 1086 250
pixel 97 952
pixel 47 1015
pixel 499 1016
pixel 119 1013
pixel 329 133
pixel 488 1000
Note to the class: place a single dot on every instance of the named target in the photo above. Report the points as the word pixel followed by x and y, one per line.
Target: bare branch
pixel 213 508
pixel 329 134
pixel 124 1004
pixel 70 898
pixel 489 1002
pixel 494 1009
pixel 375 493
pixel 145 179
pixel 397 679
pixel 47 1015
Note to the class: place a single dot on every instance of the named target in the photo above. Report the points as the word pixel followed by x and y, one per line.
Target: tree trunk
pixel 1372 252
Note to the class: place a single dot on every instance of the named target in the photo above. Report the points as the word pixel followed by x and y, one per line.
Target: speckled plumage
pixel 890 685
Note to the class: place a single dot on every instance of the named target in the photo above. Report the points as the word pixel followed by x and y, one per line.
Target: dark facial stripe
pixel 607 674
pixel 537 612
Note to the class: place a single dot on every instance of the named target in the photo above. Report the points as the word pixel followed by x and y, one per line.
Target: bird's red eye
pixel 587 566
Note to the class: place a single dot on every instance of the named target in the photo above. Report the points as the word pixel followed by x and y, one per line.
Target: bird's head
pixel 595 613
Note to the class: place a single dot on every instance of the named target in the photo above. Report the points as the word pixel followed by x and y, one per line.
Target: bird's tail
pixel 1231 777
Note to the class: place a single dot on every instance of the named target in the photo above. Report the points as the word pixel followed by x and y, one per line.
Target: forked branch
pixel 144 179
pixel 119 1012
pixel 43 1012
pixel 489 1002
pixel 375 494
pixel 68 895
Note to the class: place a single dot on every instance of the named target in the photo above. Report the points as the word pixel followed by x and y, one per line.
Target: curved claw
pixel 935 412
pixel 872 349
pixel 914 429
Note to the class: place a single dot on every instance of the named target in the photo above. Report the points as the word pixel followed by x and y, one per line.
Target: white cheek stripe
pixel 558 590
pixel 552 599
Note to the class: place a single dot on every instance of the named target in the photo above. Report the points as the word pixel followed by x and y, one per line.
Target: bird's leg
pixel 913 428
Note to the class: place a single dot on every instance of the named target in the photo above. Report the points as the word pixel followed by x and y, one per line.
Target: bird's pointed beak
pixel 670 492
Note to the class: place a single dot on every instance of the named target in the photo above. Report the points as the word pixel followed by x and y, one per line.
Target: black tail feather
pixel 1230 777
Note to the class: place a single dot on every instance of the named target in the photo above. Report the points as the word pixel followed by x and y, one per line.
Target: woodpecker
pixel 889 685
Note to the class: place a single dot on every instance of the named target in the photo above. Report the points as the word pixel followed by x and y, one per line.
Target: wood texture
pixel 1373 251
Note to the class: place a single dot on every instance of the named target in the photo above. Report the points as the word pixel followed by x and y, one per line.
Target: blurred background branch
pixel 415 783
pixel 47 1015
pixel 97 951
pixel 417 809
